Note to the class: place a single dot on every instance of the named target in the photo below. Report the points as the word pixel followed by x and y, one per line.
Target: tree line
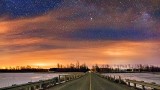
pixel 77 67
pixel 125 68
pixel 23 69
pixel 70 68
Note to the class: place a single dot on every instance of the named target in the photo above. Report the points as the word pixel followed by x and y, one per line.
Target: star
pixel 91 19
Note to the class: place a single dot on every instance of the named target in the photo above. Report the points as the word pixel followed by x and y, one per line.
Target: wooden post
pixel 135 85
pixel 40 86
pixel 24 88
pixel 59 78
pixel 114 78
pixel 107 77
pixel 143 87
pixel 119 79
pixel 34 87
pixel 69 77
pixel 65 78
pixel 129 84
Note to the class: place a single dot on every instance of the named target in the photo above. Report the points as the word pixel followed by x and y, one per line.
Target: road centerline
pixel 90 83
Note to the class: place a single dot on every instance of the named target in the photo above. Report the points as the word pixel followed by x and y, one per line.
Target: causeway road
pixel 90 81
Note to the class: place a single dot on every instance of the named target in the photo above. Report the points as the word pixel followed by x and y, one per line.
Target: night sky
pixel 46 32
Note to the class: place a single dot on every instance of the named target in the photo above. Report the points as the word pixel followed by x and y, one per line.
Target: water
pixel 147 77
pixel 8 79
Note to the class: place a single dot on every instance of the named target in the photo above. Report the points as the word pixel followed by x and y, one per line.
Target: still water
pixel 147 77
pixel 8 79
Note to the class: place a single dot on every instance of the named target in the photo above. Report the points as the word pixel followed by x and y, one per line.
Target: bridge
pixel 91 81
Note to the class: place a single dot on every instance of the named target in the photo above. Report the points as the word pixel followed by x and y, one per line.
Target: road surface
pixel 90 82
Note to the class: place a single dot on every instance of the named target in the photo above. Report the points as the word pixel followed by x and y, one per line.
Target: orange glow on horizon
pixel 123 54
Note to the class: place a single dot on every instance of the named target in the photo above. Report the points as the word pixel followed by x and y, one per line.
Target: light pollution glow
pixel 45 40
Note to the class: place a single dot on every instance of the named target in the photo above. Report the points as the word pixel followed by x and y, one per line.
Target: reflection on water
pixel 8 79
pixel 147 77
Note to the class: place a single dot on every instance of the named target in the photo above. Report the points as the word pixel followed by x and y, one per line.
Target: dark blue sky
pixel 20 8
pixel 139 23
pixel 23 8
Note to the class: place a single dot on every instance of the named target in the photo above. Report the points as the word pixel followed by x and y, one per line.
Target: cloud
pixel 88 31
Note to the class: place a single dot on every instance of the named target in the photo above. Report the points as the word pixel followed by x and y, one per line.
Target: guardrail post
pixel 59 78
pixel 119 79
pixel 114 78
pixel 25 88
pixel 110 78
pixel 129 84
pixel 65 78
pixel 40 86
pixel 34 87
pixel 134 85
pixel 29 88
pixel 69 77
pixel 107 77
pixel 143 87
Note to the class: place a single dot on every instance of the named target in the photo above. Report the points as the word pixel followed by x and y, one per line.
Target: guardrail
pixel 154 86
pixel 114 78
pixel 128 82
pixel 43 84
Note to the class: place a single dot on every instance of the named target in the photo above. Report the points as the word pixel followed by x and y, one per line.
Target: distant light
pixel 91 19
pixel 40 64
pixel 2 67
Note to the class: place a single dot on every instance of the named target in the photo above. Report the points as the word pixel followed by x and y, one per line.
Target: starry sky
pixel 46 32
